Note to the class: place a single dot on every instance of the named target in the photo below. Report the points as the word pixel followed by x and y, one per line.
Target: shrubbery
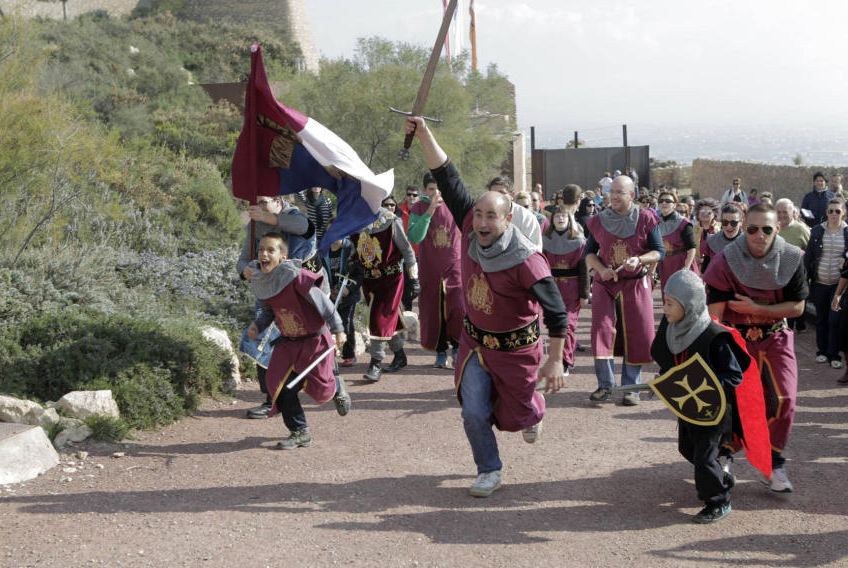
pixel 156 370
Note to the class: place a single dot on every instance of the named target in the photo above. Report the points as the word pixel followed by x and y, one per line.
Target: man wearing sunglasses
pixel 754 284
pixel 731 228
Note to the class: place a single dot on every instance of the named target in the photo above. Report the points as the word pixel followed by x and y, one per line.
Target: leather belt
pixel 564 272
pixel 504 340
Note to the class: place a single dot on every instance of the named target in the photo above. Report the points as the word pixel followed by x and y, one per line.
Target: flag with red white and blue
pixel 281 151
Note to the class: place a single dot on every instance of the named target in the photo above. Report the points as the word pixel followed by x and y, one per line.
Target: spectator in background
pixel 795 233
pixel 840 306
pixel 836 185
pixel 402 210
pixel 706 224
pixel 523 198
pixel 765 197
pixel 586 209
pixel 824 259
pixel 735 193
pixel 319 209
pixel 814 204
pixel 536 201
pixel 604 183
pixel 753 198
pixel 631 173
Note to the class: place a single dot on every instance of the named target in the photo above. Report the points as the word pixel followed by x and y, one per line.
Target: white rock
pixel 25 453
pixel 69 470
pixel 20 411
pixel 133 50
pixel 82 455
pixel 99 466
pixel 49 418
pixel 118 454
pixel 72 434
pixel 82 404
pixel 362 343
pixel 220 338
pixel 410 325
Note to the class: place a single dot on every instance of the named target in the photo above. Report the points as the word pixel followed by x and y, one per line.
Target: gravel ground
pixel 387 486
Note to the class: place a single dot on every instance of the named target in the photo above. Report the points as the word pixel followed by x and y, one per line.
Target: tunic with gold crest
pixel 440 300
pixel 379 250
pixel 303 337
pixel 501 310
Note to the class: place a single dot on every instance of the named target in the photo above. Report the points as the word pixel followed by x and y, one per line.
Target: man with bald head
pixel 623 241
pixel 505 282
pixel 522 217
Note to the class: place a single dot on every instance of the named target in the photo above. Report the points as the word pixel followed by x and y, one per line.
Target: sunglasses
pixel 726 222
pixel 665 201
pixel 412 195
pixel 752 229
pixel 390 205
pixel 834 211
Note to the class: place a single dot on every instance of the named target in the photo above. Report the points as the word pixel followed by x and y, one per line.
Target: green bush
pixel 107 428
pixel 157 371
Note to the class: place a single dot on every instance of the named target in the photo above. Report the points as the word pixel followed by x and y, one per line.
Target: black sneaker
pixel 398 362
pixel 600 395
pixel 260 411
pixel 342 399
pixel 712 513
pixel 374 371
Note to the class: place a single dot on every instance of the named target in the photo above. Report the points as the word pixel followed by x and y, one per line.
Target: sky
pixel 715 64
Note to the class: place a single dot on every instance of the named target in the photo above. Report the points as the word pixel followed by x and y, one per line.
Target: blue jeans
pixel 605 371
pixel 477 408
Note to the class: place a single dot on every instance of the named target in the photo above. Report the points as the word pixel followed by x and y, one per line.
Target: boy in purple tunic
pixel 754 284
pixel 731 228
pixel 678 237
pixel 440 302
pixel 302 312
pixel 623 240
pixel 504 281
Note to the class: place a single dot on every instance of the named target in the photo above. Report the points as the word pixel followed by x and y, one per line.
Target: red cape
pixel 751 405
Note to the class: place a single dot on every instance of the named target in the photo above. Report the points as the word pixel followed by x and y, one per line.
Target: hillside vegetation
pixel 118 234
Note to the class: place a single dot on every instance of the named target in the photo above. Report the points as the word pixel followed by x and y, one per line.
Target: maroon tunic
pixel 774 354
pixel 502 301
pixel 440 276
pixel 306 337
pixel 569 289
pixel 378 254
pixel 675 254
pixel 632 292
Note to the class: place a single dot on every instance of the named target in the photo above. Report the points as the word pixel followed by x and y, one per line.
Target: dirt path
pixel 387 486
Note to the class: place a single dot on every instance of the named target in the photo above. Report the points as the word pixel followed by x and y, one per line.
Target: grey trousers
pixel 377 349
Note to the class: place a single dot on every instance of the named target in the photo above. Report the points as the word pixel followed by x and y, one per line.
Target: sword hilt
pixel 407 144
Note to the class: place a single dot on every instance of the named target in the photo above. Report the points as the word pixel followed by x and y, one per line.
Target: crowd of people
pixel 495 273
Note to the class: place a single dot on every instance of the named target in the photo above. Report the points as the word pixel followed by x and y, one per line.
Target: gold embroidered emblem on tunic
pixel 369 251
pixel 667 245
pixel 479 295
pixel 620 253
pixel 290 324
pixel 562 265
pixel 441 238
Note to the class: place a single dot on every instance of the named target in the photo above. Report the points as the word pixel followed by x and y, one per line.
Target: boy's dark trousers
pixel 288 402
pixel 701 445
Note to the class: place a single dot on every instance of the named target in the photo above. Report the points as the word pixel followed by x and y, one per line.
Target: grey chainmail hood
pixel 511 249
pixel 268 284
pixel 771 272
pixel 687 288
pixel 622 226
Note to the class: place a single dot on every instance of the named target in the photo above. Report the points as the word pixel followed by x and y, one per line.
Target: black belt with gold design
pixel 504 340
pixel 564 272
pixel 313 263
pixel 758 332
pixel 375 273
pixel 282 338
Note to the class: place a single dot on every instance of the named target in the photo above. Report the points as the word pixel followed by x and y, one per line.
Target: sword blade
pixel 311 366
pixel 429 73
pixel 345 280
pixel 631 388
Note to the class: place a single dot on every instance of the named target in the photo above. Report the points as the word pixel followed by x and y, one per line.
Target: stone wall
pixel 710 178
pixel 679 177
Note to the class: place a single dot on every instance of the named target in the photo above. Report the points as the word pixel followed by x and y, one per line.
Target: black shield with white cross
pixel 692 392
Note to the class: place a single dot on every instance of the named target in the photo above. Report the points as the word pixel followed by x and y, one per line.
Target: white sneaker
pixel 821 358
pixel 532 433
pixel 780 482
pixel 486 484
pixel 836 364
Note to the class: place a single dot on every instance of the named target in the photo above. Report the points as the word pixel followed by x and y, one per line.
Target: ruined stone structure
pixel 287 15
